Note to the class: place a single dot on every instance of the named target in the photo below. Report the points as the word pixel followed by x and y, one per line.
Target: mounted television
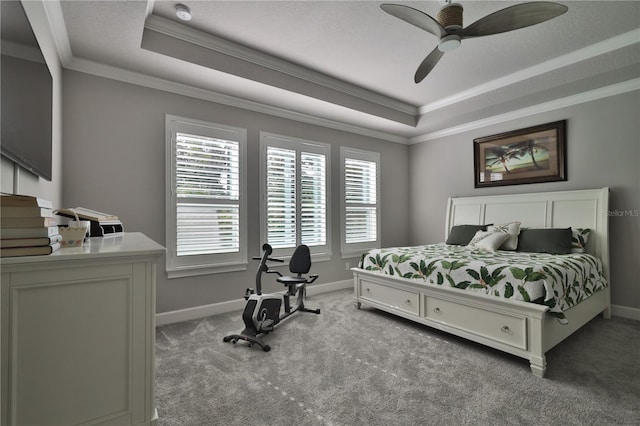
pixel 26 91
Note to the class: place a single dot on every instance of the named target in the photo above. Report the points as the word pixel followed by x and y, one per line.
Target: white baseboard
pixel 625 312
pixel 238 304
pixel 235 305
pixel 327 287
pixel 196 312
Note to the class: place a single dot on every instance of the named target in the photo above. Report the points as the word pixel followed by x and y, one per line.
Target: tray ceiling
pixel 349 62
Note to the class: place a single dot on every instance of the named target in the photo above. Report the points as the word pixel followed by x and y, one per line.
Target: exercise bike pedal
pixel 267 325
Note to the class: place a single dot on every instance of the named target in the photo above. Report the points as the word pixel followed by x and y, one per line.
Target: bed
pixel 516 302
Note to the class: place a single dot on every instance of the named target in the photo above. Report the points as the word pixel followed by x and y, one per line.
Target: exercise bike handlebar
pixel 269 259
pixel 267 249
pixel 263 267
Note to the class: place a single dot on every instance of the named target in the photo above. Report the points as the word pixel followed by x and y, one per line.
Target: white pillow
pixel 512 230
pixel 579 239
pixel 488 240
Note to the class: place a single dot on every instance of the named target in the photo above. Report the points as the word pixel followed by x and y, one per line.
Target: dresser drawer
pixel 500 327
pixel 395 298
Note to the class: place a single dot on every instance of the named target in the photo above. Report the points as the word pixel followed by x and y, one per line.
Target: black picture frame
pixel 531 155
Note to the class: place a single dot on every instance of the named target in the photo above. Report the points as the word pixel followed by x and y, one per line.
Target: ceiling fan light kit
pixel 450 33
pixel 449 42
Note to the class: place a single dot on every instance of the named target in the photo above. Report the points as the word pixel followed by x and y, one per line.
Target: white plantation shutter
pixel 360 197
pixel 205 217
pixel 361 224
pixel 296 194
pixel 207 169
pixel 313 209
pixel 281 197
pixel 360 186
pixel 207 229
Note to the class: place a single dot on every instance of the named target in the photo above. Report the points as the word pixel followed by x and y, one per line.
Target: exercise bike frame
pixel 262 312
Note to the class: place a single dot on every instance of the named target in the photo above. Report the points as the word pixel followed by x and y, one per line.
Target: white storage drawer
pixel 497 326
pixel 395 298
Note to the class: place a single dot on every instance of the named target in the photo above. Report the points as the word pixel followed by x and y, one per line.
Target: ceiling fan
pixel 448 25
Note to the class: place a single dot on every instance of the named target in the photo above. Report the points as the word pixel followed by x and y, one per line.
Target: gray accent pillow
pixel 462 234
pixel 545 240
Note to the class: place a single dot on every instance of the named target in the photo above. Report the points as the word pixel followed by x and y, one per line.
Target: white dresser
pixel 78 334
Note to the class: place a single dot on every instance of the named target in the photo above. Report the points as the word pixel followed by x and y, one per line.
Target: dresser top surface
pixel 126 244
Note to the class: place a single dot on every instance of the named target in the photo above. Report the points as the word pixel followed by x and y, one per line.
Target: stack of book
pixel 27 226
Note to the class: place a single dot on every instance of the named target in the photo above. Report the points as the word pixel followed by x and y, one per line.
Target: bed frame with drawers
pixel 519 328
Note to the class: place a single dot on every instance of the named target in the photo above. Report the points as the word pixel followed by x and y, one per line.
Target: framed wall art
pixel 532 155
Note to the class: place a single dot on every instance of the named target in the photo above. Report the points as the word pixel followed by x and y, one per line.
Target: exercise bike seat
pixel 300 263
pixel 297 280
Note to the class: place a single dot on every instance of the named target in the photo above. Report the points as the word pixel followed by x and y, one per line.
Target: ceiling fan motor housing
pixel 450 16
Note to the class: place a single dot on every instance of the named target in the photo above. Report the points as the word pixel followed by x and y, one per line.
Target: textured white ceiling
pixel 359 43
pixel 364 50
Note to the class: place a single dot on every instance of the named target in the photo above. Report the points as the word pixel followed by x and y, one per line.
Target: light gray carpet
pixel 350 367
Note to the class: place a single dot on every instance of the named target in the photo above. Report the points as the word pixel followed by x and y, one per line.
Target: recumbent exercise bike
pixel 262 312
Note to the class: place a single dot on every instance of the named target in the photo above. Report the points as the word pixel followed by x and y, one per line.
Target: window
pixel 360 211
pixel 206 214
pixel 295 195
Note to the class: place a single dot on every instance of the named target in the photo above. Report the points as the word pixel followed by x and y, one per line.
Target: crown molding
pixel 119 74
pixel 53 11
pixel 592 95
pixel 190 35
pixel 597 49
pixel 21 51
pixel 149 10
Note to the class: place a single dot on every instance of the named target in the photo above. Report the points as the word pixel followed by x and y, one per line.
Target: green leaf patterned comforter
pixel 557 281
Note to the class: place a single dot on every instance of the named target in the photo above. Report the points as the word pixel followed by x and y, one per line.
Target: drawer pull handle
pixel 436 310
pixel 407 302
pixel 505 329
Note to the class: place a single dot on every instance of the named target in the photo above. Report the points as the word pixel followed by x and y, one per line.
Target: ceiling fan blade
pixel 513 18
pixel 415 17
pixel 428 64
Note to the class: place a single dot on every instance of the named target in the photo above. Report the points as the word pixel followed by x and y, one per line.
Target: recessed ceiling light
pixel 183 12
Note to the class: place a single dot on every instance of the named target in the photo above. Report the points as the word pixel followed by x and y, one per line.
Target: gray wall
pixel 114 151
pixel 603 150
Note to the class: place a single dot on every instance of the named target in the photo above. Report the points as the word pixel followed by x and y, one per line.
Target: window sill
pixel 355 253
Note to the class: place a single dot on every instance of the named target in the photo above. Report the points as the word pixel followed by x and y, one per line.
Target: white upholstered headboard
pixel 577 209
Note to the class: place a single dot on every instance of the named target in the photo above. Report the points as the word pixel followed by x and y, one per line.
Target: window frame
pixel 350 250
pixel 183 266
pixel 299 145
